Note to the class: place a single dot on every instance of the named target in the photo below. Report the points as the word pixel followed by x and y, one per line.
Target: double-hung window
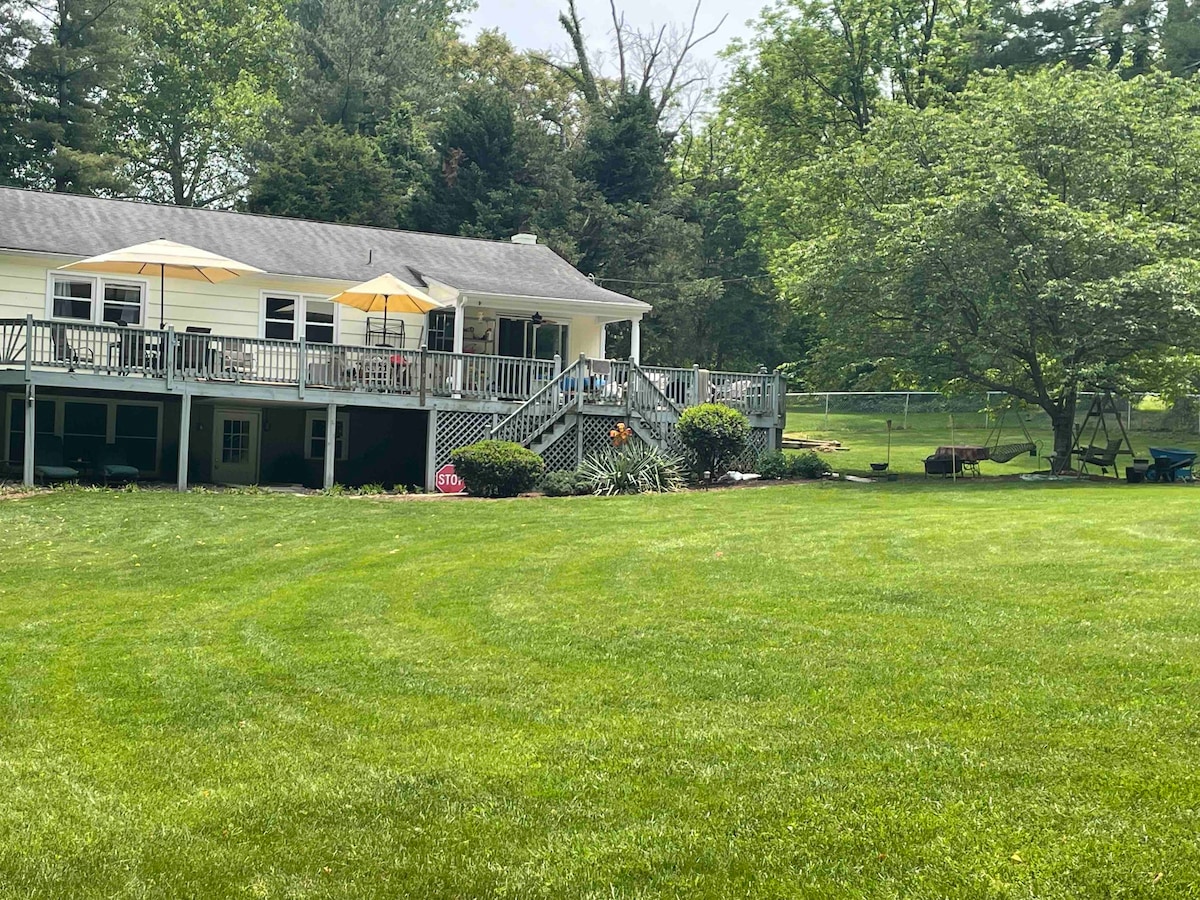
pixel 96 300
pixel 72 298
pixel 283 312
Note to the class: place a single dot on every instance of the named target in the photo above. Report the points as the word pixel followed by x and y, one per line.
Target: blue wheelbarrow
pixel 1171 464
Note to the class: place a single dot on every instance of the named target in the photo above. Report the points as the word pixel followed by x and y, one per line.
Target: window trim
pixel 301 301
pixel 98 283
pixel 341 418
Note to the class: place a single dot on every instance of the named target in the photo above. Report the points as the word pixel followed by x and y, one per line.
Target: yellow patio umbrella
pixel 386 294
pixel 166 257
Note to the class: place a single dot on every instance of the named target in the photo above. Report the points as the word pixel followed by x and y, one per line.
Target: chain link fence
pixel 827 410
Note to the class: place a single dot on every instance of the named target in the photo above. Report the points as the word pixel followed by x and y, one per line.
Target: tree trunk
pixel 1062 417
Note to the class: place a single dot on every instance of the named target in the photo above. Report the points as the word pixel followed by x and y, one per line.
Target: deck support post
pixel 185 439
pixel 635 340
pixel 460 317
pixel 330 443
pixel 603 340
pixel 30 434
pixel 431 427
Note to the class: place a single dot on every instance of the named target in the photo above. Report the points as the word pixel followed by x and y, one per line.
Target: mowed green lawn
pixel 864 436
pixel 837 690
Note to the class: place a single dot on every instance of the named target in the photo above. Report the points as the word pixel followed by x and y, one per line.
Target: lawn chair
pixel 196 355
pixel 62 351
pixel 112 465
pixel 48 462
pixel 1105 458
pixel 943 465
pixel 133 350
pixel 236 360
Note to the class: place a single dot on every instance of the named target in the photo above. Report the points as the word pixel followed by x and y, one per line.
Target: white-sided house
pixel 235 382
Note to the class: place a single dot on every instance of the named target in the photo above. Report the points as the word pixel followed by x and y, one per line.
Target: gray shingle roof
pixel 87 226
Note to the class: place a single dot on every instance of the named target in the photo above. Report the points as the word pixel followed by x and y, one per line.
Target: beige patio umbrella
pixel 386 294
pixel 166 257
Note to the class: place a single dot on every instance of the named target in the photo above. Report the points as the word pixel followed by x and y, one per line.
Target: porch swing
pixel 1102 455
pixel 1002 453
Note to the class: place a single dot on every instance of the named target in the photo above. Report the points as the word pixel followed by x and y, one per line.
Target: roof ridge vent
pixel 524 237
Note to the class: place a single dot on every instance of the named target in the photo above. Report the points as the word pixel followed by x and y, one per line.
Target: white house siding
pixel 234 307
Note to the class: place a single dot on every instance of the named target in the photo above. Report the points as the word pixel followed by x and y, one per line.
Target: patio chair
pixel 133 350
pixel 236 360
pixel 48 462
pixel 196 354
pixel 113 465
pixel 62 351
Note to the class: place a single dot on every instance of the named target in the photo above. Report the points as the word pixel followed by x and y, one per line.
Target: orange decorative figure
pixel 621 434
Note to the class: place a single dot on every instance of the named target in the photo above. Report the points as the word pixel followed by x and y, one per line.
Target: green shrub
pixel 773 464
pixel 561 484
pixel 807 464
pixel 370 489
pixel 497 468
pixel 714 436
pixel 632 469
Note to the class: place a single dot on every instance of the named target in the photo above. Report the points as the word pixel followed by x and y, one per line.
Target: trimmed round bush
pixel 807 464
pixel 497 468
pixel 714 436
pixel 773 464
pixel 562 483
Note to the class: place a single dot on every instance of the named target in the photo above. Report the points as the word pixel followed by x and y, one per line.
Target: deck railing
pixel 200 356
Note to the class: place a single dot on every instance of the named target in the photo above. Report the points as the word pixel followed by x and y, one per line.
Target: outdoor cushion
pixel 55 472
pixel 114 470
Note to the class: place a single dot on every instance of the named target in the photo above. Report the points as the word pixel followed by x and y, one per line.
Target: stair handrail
pixel 533 423
pixel 648 414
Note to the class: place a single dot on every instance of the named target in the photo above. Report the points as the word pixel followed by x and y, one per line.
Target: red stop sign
pixel 447 482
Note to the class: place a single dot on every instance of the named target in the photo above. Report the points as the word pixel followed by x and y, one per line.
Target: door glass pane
pixel 512 338
pixel 235 440
pixel 441 330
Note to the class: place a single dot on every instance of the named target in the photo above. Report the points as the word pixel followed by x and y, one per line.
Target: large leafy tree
pixel 1039 238
pixel 196 95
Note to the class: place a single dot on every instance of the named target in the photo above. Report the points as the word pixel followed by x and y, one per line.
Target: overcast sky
pixel 533 24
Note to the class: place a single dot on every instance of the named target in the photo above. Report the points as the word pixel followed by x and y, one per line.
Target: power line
pixel 740 278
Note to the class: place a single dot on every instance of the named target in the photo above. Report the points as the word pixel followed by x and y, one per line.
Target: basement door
pixel 235 446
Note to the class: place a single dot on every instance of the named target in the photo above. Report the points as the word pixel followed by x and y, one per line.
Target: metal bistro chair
pixel 62 351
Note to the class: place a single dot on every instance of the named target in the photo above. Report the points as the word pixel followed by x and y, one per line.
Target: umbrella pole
pixel 385 305
pixel 162 297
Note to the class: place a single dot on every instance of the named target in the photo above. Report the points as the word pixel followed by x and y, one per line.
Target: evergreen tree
pixel 72 68
pixel 1181 38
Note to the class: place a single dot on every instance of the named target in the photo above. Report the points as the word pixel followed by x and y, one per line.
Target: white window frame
pixel 301 302
pixel 98 284
pixel 314 415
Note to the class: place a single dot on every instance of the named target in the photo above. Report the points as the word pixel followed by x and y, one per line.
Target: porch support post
pixel 30 434
pixel 185 438
pixel 635 340
pixel 431 449
pixel 330 443
pixel 460 315
pixel 604 340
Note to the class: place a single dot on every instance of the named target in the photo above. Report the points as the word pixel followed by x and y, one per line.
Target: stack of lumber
pixel 802 443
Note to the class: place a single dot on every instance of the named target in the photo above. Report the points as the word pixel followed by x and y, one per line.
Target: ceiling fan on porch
pixel 538 319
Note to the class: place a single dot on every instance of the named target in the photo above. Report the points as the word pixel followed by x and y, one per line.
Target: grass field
pixel 864 434
pixel 831 690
